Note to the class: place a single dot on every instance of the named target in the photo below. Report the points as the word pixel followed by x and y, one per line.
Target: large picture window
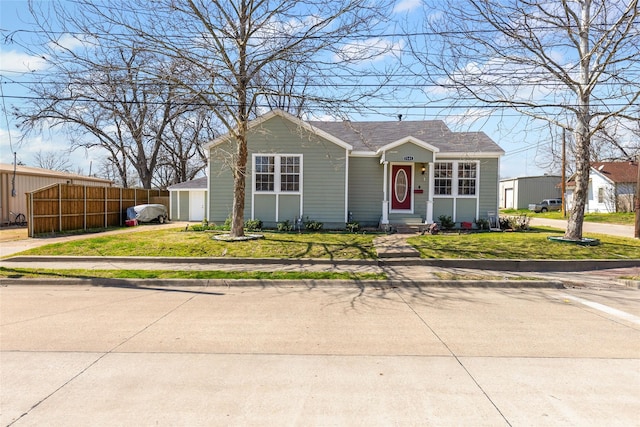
pixel 277 173
pixel 455 179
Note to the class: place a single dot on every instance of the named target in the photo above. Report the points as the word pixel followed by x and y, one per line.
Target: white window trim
pixel 410 190
pixel 277 174
pixel 455 179
pixel 276 182
pixel 454 190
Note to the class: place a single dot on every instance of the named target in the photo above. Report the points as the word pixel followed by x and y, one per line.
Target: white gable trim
pixel 405 140
pixel 279 113
pixel 596 172
pixel 471 155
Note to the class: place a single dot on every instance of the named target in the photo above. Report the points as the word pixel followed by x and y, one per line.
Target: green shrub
pixel 353 226
pixel 285 226
pixel 253 225
pixel 227 224
pixel 313 225
pixel 482 223
pixel 446 222
pixel 515 223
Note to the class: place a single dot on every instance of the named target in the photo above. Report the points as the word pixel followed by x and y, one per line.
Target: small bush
pixel 482 223
pixel 446 222
pixel 227 224
pixel 353 226
pixel 313 225
pixel 285 226
pixel 253 225
pixel 515 223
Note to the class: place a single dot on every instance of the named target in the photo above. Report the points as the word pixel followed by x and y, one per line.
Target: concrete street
pixel 326 355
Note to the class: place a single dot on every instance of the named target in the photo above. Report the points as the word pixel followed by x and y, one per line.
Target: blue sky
pixel 524 154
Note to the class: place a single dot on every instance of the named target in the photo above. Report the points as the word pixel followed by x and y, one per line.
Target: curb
pixel 513 265
pixel 151 284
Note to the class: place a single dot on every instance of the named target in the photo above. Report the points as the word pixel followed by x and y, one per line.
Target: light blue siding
pixel 323 176
pixel 466 210
pixel 488 187
pixel 365 190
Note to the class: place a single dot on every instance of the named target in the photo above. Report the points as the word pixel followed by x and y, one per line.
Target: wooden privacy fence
pixel 66 207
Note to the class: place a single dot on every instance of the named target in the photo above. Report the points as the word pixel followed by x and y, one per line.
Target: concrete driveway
pixel 332 355
pixel 588 227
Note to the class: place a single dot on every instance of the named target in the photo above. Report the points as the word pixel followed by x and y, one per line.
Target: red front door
pixel 401 187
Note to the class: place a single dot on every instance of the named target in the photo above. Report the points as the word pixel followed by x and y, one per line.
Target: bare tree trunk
pixel 582 130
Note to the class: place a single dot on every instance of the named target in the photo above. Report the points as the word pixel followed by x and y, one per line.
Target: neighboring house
pixel 15 183
pixel 518 193
pixel 375 173
pixel 188 200
pixel 612 186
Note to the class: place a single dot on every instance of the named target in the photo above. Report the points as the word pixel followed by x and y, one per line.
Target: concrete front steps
pixel 407 224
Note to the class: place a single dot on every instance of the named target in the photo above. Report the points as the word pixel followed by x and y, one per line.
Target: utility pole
pixel 637 227
pixel 563 184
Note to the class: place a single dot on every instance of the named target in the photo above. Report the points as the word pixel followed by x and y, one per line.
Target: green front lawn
pixel 180 243
pixel 622 218
pixel 522 245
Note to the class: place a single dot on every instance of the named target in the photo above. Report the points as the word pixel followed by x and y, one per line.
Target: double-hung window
pixel 289 173
pixel 467 175
pixel 443 173
pixel 265 173
pixel 277 173
pixel 455 178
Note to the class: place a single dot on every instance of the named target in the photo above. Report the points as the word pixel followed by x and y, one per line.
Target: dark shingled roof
pixel 617 172
pixel 195 184
pixel 371 136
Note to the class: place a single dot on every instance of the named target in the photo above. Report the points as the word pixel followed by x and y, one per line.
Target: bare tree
pixel 109 95
pixel 227 49
pixel 572 63
pixel 53 161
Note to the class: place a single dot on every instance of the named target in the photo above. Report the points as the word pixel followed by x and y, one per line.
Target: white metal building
pixel 518 193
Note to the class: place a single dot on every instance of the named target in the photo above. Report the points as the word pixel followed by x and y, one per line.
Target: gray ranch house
pixel 377 173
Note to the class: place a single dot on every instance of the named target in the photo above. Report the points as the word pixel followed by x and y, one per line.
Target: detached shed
pixel 188 200
pixel 15 183
pixel 518 193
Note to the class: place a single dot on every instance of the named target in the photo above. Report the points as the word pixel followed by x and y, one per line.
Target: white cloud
pixel 407 6
pixel 70 42
pixel 20 62
pixel 374 49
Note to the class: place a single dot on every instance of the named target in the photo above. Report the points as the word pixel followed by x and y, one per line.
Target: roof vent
pixel 600 167
pixel 399 117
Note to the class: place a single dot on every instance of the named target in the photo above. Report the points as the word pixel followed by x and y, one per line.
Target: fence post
pixel 106 214
pixel 60 208
pixel 84 219
pixel 30 224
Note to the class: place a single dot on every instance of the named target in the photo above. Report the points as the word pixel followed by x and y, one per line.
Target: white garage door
pixel 508 198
